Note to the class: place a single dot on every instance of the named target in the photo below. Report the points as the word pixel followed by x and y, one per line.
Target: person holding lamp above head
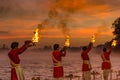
pixel 16 70
pixel 106 64
pixel 57 55
pixel 86 66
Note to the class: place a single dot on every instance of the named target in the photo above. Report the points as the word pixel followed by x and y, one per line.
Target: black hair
pixel 14 45
pixel 56 46
pixel 104 49
pixel 84 48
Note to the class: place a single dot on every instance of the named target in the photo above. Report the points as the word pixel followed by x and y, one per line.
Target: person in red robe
pixel 57 55
pixel 106 64
pixel 86 66
pixel 16 70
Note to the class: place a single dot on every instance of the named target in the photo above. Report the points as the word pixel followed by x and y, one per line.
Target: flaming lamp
pixel 114 43
pixel 93 38
pixel 67 41
pixel 35 38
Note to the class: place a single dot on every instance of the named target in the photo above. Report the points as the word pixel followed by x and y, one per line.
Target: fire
pixel 36 36
pixel 114 43
pixel 67 41
pixel 93 38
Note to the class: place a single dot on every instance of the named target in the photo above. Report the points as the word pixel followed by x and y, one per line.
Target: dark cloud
pixel 4 32
pixel 21 8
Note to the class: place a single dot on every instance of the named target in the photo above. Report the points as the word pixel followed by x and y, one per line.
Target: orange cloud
pixel 53 32
pixel 85 18
pixel 88 32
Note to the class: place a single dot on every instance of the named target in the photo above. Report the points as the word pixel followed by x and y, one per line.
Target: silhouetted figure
pixel 16 70
pixel 57 55
pixel 86 66
pixel 106 64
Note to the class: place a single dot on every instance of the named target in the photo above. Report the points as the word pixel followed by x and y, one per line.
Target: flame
pixel 67 41
pixel 93 38
pixel 114 43
pixel 36 36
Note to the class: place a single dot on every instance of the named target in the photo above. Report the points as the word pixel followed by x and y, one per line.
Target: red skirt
pixel 58 72
pixel 13 74
pixel 85 67
pixel 106 65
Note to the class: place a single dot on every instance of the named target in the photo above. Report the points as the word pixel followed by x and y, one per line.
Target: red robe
pixel 106 64
pixel 85 57
pixel 14 57
pixel 58 68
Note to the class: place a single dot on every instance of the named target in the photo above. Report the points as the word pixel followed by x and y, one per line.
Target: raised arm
pixel 63 51
pixel 90 44
pixel 110 50
pixel 89 47
pixel 24 47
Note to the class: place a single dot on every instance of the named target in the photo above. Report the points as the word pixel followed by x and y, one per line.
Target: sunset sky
pixel 82 18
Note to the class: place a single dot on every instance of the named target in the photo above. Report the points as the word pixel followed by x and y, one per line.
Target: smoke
pixel 63 26
pixel 59 14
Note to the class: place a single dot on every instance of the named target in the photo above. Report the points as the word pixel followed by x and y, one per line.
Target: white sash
pixel 19 72
pixel 58 63
pixel 87 62
pixel 18 69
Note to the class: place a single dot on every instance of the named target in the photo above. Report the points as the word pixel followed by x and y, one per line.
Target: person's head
pixel 104 49
pixel 14 45
pixel 56 46
pixel 84 48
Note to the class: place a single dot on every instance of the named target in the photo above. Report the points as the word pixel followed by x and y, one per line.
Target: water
pixel 37 63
